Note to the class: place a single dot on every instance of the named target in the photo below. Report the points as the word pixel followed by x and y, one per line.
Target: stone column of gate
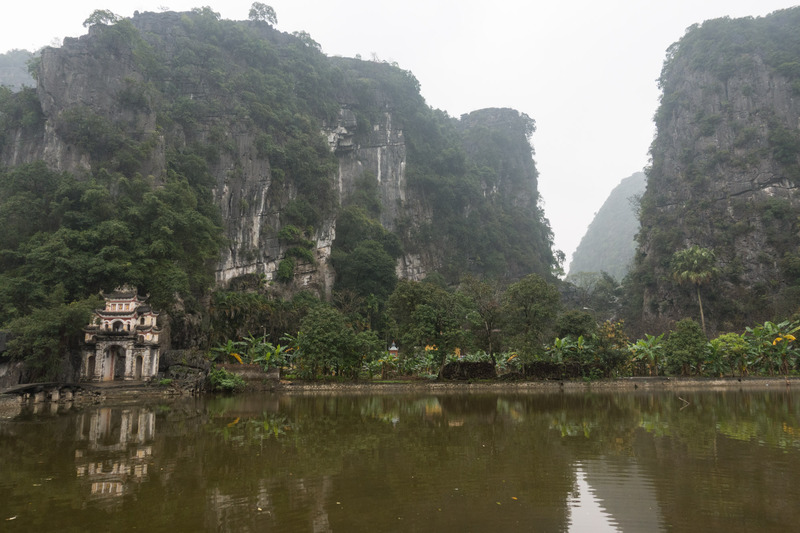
pixel 154 355
pixel 125 426
pixel 129 363
pixel 149 425
pixel 85 365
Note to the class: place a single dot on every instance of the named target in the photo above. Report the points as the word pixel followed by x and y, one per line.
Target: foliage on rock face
pixel 142 212
pixel 724 169
pixel 364 255
pixel 497 234
pixel 57 230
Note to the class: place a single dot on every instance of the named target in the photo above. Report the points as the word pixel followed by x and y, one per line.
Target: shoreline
pixel 121 390
pixel 544 386
pixel 126 393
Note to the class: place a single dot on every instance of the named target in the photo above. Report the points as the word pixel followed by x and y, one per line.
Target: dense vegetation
pixel 64 240
pixel 724 168
pixel 142 210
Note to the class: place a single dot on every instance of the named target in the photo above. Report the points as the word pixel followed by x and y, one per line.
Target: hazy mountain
pixel 14 70
pixel 609 243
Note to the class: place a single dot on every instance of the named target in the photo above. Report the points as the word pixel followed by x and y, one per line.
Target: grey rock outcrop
pixel 725 173
pixel 109 76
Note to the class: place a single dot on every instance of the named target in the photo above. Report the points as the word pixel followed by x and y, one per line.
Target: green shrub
pixel 286 270
pixel 685 348
pixel 575 323
pixel 223 381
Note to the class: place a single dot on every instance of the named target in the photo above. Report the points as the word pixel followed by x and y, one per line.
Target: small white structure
pixel 121 343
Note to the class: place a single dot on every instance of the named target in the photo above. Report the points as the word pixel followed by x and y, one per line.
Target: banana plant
pixel 229 349
pixel 649 351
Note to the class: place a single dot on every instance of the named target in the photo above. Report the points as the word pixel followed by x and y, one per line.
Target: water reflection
pixel 586 511
pixel 615 494
pixel 426 462
pixel 113 448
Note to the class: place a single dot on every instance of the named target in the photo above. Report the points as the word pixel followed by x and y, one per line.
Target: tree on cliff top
pixel 262 12
pixel 101 16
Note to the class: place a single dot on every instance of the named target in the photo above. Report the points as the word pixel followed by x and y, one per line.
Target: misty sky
pixel 584 70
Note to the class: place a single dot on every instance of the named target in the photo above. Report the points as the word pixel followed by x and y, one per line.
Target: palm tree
pixel 695 265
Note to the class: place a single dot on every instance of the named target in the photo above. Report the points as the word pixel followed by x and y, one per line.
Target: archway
pixel 138 372
pixel 91 363
pixel 109 358
pixel 114 363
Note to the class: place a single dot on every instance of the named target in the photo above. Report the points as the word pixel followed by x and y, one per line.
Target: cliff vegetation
pixel 724 177
pixel 224 166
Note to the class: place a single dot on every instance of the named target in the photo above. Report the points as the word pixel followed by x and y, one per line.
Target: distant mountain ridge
pixel 14 70
pixel 609 244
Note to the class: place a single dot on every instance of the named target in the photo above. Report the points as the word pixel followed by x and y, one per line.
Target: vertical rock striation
pixel 281 135
pixel 725 172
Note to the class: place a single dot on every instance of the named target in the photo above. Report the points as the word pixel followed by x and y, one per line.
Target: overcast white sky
pixel 585 70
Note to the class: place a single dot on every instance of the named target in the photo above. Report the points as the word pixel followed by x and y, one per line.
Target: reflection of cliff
pixel 114 449
pixel 623 492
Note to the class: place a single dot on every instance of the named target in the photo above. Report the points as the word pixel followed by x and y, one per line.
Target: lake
pixel 445 462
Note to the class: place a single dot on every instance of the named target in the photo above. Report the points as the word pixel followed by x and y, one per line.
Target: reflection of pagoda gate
pixel 117 450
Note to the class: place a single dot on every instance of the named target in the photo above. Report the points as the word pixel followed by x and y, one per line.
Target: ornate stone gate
pixel 121 343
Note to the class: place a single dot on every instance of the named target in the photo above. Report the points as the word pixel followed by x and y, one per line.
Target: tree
pixel 262 13
pixel 368 269
pixel 101 16
pixel 328 343
pixel 695 265
pixel 485 300
pixel 306 39
pixel 685 348
pixel 529 308
pixel 429 315
pixel 45 337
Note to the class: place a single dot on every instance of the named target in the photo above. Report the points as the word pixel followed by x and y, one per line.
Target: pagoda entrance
pixel 113 363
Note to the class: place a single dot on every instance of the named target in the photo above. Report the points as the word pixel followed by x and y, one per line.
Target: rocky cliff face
pixel 609 244
pixel 273 148
pixel 725 172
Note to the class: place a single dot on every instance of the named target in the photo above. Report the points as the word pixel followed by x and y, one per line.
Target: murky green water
pixel 454 462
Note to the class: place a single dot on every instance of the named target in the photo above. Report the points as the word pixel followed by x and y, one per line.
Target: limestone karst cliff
pixel 610 241
pixel 725 173
pixel 280 135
